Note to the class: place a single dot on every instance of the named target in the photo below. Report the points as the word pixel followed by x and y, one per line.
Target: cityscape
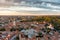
pixel 29 19
pixel 29 27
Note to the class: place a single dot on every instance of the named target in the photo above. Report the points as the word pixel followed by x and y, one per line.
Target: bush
pixel 12 29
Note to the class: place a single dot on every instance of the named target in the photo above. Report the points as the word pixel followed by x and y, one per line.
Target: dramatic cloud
pixel 58 1
pixel 34 4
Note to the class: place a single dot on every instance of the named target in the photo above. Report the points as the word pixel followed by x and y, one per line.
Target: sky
pixel 33 5
pixel 58 1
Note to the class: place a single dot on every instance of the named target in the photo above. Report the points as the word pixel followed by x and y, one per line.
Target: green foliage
pixel 12 29
pixel 40 34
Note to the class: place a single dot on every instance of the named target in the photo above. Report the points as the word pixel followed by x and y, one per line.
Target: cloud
pixel 33 6
pixel 2 1
pixel 26 9
pixel 58 1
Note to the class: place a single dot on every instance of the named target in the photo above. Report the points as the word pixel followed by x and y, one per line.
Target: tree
pixel 12 29
pixel 2 29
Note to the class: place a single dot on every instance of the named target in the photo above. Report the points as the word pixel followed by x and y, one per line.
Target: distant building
pixel 50 26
